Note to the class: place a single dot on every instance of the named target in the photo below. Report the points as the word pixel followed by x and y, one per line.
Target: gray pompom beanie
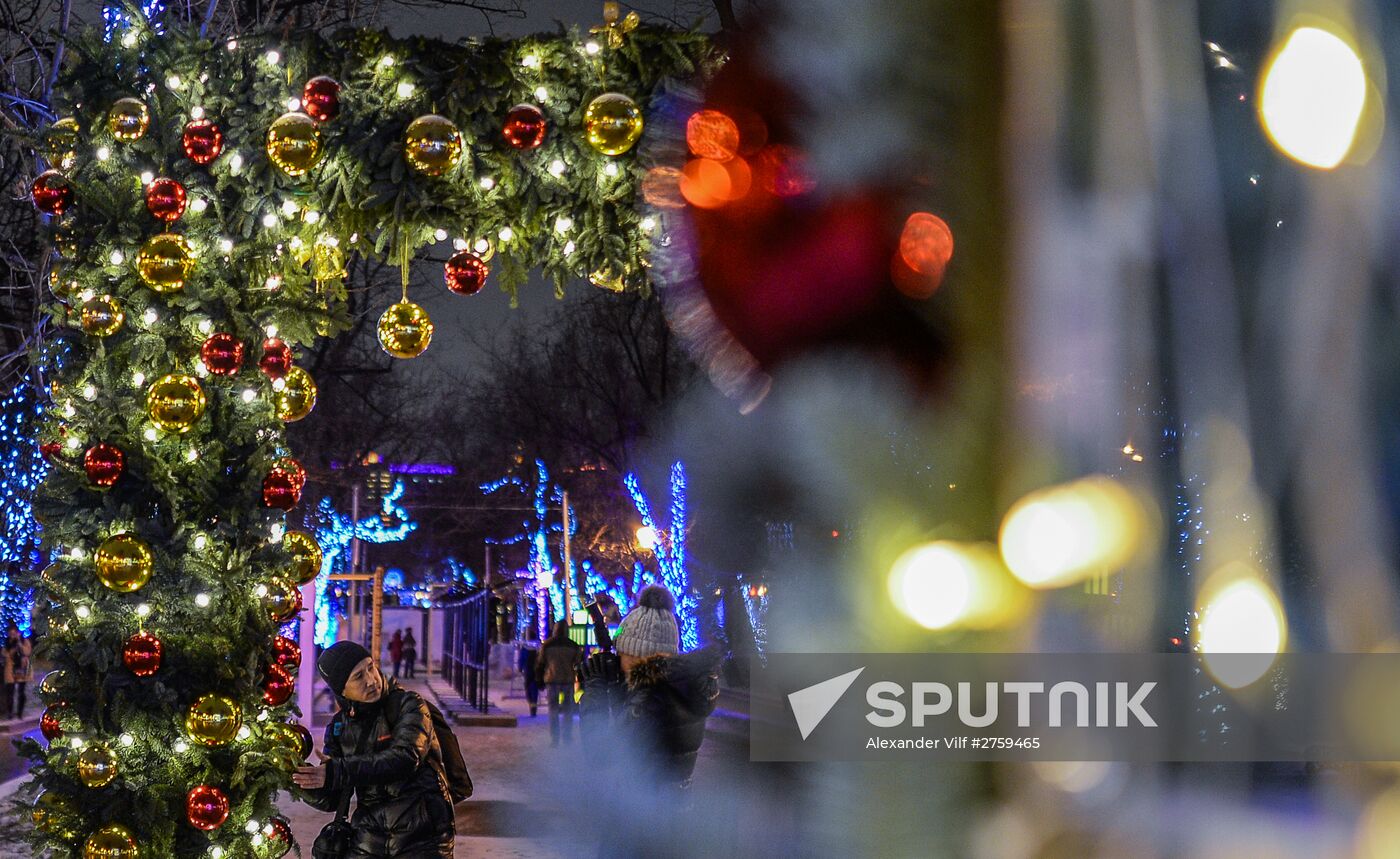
pixel 650 628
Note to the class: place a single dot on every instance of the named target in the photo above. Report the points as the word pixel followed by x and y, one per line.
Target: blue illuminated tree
pixel 535 532
pixel 670 551
pixel 22 468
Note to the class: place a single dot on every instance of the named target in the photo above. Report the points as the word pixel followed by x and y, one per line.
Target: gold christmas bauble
pixel 97 765
pixel 296 396
pixel 213 720
pixel 124 563
pixel 306 556
pixel 128 119
pixel 175 402
pixel 61 143
pixel 432 144
pixel 294 143
pixel 282 600
pixel 405 330
pixel 49 686
pixel 613 123
pixel 102 316
pixel 165 262
pixel 112 841
pixel 57 816
pixel 327 259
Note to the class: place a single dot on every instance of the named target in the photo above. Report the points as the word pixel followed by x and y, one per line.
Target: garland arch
pixel 165 511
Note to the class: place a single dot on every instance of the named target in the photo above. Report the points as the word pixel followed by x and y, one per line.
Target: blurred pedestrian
pixel 396 651
pixel 410 653
pixel 16 655
pixel 528 665
pixel 559 660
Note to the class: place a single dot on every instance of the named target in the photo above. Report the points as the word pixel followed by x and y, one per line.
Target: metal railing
pixel 466 647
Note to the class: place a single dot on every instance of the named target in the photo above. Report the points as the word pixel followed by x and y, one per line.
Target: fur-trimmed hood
pixel 691 677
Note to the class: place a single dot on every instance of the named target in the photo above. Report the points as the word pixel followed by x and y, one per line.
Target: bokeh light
pixel 925 247
pixel 1378 830
pixel 1060 535
pixel 646 537
pixel 1240 614
pixel 712 134
pixel 709 184
pixel 946 584
pixel 1312 97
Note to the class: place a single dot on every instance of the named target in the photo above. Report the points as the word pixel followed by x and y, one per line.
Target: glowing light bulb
pixel 226 245
pixel 648 224
pixel 205 326
pixel 271 330
pixel 150 434
pixel 83 613
pixel 174 82
pixel 563 224
pixel 610 168
pixel 269 220
pixel 541 94
pixel 197 112
pixel 235 162
pixel 89 392
pixel 440 235
pixel 481 246
pixel 127 740
pixel 244 733
pixel 117 257
pixel 180 747
pixel 129 39
pixel 459 244
pixel 231 44
pixel 487 183
pixel 312 216
pixel 260 591
pixel 200 542
pixel 277 531
pixel 74 443
pixel 103 153
pixel 592 48
pixel 530 61
pixel 293 104
pixel 556 168
pixel 569 247
pixel 143 610
pixel 249 395
pixel 150 316
pixel 647 537
pixel 386 61
pixel 1312 98
pixel 198 204
pixel 272 57
pixel 289 207
pixel 405 89
pixel 191 455
pixel 506 234
pixel 201 600
pixel 138 378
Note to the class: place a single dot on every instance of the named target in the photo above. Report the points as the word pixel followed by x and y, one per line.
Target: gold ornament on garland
pixel 61 143
pixel 432 144
pixel 128 119
pixel 124 563
pixel 213 720
pixel 165 262
pixel 112 841
pixel 282 600
pixel 294 143
pixel 296 397
pixel 327 259
pixel 102 316
pixel 97 765
pixel 57 816
pixel 306 556
pixel 615 28
pixel 613 123
pixel 175 402
pixel 405 330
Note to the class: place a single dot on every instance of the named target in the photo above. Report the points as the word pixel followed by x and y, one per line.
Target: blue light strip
pixel 334 532
pixel 670 552
pixel 22 469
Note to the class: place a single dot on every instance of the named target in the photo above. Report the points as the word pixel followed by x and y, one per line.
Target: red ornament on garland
pixel 279 838
pixel 51 193
pixel 165 199
pixel 51 450
pixel 51 722
pixel 465 273
pixel 280 490
pixel 206 807
pixel 104 464
pixel 320 98
pixel 142 654
pixel 525 127
pixel 278 686
pixel 202 141
pixel 294 468
pixel 286 653
pixel 222 354
pixel 276 358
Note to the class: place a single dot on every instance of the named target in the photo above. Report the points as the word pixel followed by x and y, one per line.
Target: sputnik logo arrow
pixel 810 705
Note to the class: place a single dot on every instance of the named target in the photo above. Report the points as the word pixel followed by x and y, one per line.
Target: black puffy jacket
pixel 402 806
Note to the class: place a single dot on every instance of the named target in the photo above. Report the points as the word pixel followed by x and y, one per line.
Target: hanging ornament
pixel 298 740
pixel 294 143
pixel 56 719
pixel 286 653
pixel 165 199
pixel 97 765
pixel 101 316
pixel 278 686
pixel 276 358
pixel 61 143
pixel 525 127
pixel 124 563
pixel 104 464
pixel 49 687
pixel 327 259
pixel 202 141
pixel 465 273
pixel 613 123
pixel 321 98
pixel 165 262
pixel 51 193
pixel 306 556
pixel 432 144
pixel 51 451
pixel 222 354
pixel 112 841
pixel 615 27
pixel 297 396
pixel 281 600
pixel 57 816
pixel 294 468
pixel 175 402
pixel 128 119
pixel 278 833
pixel 405 330
pixel 213 720
pixel 206 807
pixel 142 654
pixel 279 490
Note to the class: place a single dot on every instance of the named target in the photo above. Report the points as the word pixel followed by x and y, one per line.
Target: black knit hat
pixel 337 661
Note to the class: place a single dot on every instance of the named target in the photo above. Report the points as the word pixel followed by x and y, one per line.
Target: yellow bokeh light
pixel 1312 97
pixel 647 537
pixel 946 584
pixel 1063 534
pixel 1240 615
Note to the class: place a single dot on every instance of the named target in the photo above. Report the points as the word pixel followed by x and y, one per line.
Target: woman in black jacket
pixel 382 745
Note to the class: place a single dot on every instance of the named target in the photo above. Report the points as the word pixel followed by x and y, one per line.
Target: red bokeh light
pixel 712 134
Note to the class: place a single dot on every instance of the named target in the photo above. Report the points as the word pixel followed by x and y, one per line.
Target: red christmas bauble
pixel 202 141
pixel 293 468
pixel 276 358
pixel 280 490
pixel 51 193
pixel 465 273
pixel 278 686
pixel 51 450
pixel 142 653
pixel 279 838
pixel 165 199
pixel 206 807
pixel 525 127
pixel 51 722
pixel 222 354
pixel 320 98
pixel 286 653
pixel 104 464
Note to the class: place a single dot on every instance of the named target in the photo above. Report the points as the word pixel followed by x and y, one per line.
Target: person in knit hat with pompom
pixel 650 695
